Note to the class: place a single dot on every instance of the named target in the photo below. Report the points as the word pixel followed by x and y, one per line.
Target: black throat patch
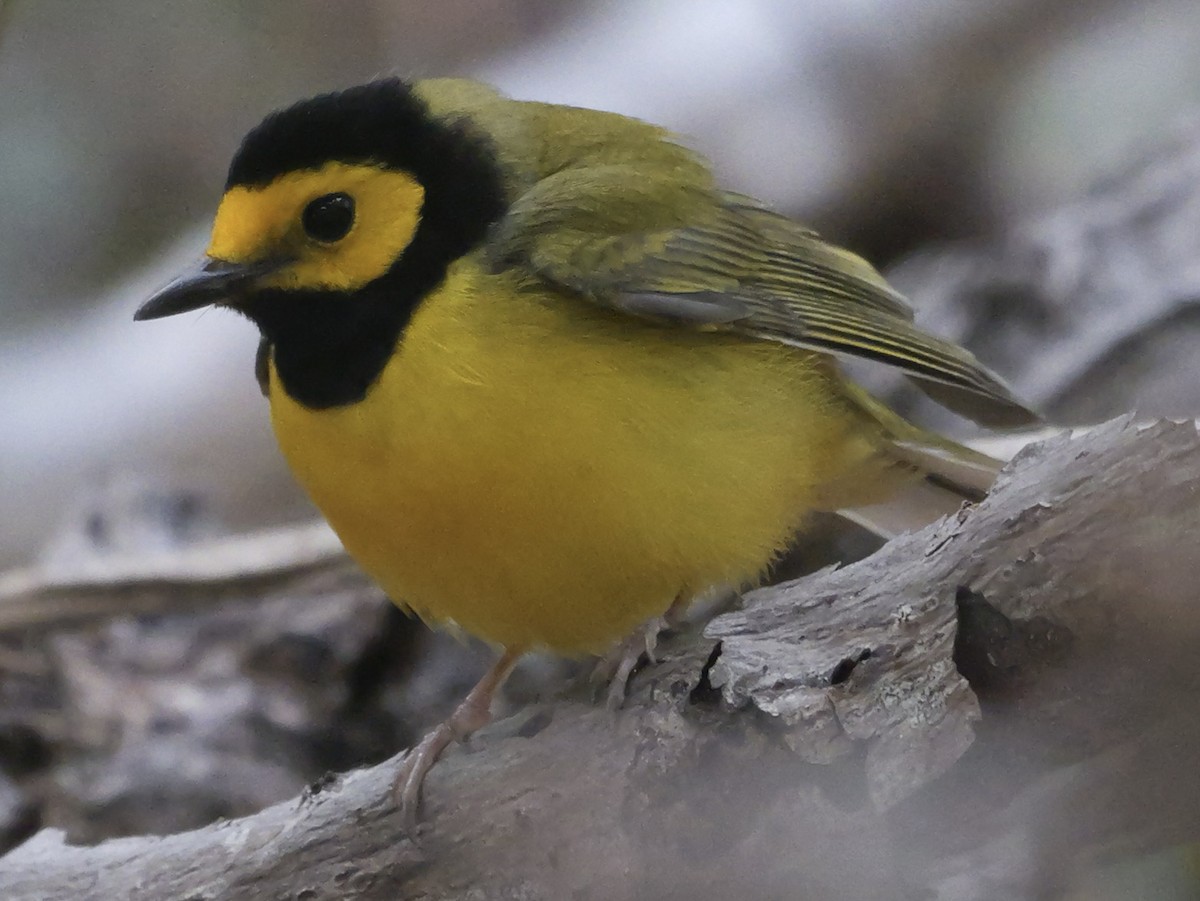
pixel 330 347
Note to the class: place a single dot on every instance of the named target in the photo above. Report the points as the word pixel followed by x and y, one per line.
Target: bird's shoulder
pixel 621 213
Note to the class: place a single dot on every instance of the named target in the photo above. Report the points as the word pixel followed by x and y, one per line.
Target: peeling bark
pixel 969 713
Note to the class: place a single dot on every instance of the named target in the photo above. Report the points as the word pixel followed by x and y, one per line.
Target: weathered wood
pixel 167 580
pixel 1090 310
pixel 1027 661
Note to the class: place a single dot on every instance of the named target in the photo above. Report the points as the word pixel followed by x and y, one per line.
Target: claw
pixel 617 667
pixel 471 715
pixel 406 788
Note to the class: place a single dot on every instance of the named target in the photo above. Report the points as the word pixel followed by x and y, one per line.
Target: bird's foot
pixel 471 715
pixel 616 668
pixel 406 788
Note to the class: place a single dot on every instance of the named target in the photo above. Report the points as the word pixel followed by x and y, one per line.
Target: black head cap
pixel 385 123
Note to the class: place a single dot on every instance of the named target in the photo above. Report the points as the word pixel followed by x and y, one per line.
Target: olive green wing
pixel 672 248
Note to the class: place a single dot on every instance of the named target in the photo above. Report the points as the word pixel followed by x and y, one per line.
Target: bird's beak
pixel 206 282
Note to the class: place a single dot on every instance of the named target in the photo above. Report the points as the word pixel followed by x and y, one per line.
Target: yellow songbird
pixel 544 376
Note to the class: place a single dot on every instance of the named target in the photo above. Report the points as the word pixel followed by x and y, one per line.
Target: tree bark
pixel 972 712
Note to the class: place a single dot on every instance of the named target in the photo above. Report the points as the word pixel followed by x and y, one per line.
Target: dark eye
pixel 329 218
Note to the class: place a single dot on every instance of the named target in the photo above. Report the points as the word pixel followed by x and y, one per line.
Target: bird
pixel 545 377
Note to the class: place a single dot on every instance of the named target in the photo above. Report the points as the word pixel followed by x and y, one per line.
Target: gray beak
pixel 205 283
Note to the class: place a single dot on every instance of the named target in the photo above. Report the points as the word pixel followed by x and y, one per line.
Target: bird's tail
pixel 941 474
pixel 946 477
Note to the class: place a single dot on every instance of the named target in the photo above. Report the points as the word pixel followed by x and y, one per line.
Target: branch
pixel 1090 310
pixel 936 717
pixel 168 581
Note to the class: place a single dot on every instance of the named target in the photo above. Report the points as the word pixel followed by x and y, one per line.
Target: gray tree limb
pixel 1091 309
pixel 969 713
pixel 166 580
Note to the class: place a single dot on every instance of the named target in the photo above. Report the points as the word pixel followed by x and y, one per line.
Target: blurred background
pixel 905 129
pixel 889 124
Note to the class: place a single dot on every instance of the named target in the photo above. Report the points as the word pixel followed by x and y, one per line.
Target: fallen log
pixel 976 711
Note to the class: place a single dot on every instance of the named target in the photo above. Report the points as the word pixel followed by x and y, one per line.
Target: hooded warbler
pixel 544 376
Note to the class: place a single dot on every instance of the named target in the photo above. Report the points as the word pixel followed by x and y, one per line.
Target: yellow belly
pixel 541 472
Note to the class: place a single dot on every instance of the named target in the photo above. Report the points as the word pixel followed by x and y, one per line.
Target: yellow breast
pixel 542 472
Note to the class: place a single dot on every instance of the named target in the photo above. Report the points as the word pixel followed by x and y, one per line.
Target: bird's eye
pixel 328 218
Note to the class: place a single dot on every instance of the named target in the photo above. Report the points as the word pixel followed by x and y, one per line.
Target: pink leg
pixel 472 714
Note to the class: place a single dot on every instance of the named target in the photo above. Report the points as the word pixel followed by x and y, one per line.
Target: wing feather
pixel 700 257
